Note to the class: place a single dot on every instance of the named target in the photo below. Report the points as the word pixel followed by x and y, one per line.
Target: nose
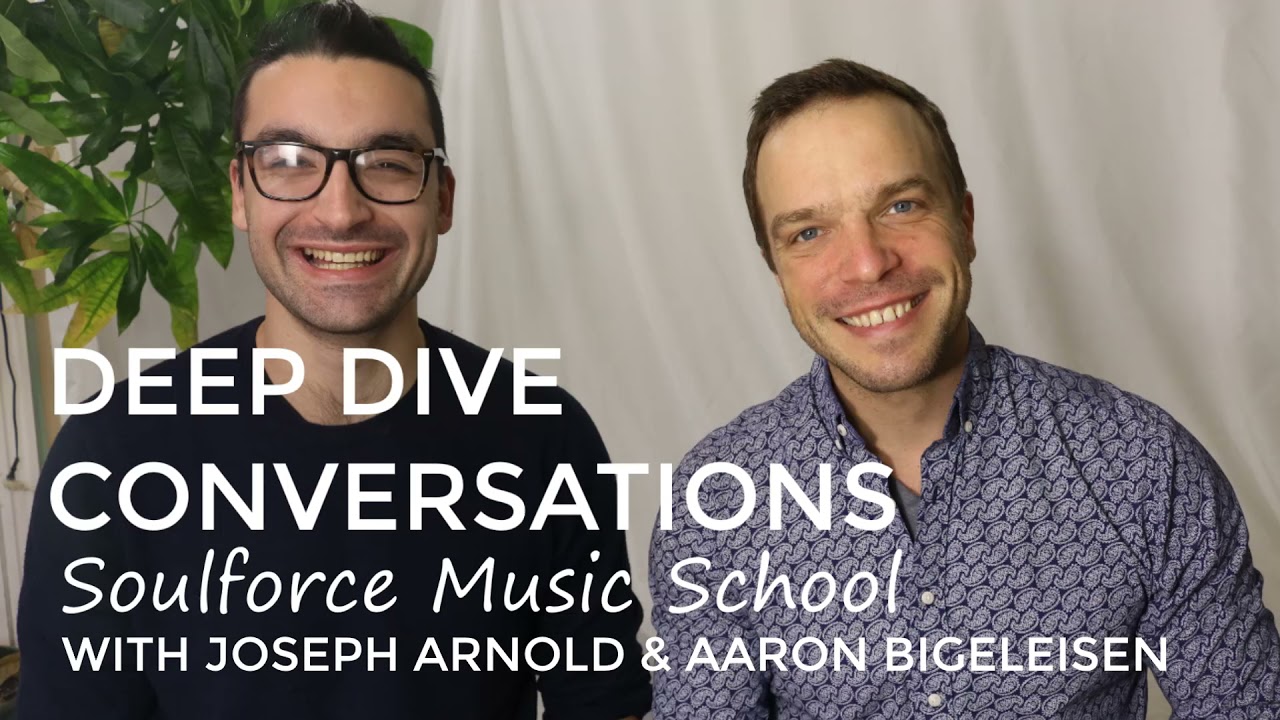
pixel 340 205
pixel 864 253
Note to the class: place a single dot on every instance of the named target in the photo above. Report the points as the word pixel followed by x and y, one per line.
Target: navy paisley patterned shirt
pixel 1054 506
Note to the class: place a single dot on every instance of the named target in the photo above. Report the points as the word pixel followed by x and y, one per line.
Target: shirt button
pixel 926 597
pixel 935 700
pixel 841 429
pixel 839 444
pixel 968 426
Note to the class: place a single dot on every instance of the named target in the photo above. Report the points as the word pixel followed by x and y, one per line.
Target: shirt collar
pixel 966 403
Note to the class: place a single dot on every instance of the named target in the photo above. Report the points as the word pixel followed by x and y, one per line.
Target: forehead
pixel 843 150
pixel 337 101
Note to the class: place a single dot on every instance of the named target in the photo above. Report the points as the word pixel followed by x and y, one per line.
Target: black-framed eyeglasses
pixel 295 171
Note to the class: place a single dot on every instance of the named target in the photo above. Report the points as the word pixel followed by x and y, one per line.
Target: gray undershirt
pixel 908 504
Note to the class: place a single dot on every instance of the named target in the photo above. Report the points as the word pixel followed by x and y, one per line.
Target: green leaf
pixel 141 160
pixel 417 40
pixel 49 219
pixel 207 95
pixel 131 289
pixel 109 190
pixel 130 193
pixel 23 58
pixel 184 316
pixel 173 276
pixel 73 119
pixel 275 7
pixel 72 234
pixel 13 84
pixel 133 14
pixel 45 261
pixel 63 187
pixel 76 83
pixel 74 27
pixel 107 137
pixel 184 323
pixel 159 261
pixel 16 280
pixel 140 102
pixel 113 242
pixel 146 53
pixel 31 122
pixel 195 186
pixel 77 238
pixel 220 239
pixel 17 11
pixel 98 295
pixel 59 295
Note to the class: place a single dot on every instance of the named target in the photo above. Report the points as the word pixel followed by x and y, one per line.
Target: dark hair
pixel 834 79
pixel 338 30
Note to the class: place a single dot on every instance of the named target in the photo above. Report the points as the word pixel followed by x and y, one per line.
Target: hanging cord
pixel 13 473
pixel 8 359
pixel 13 396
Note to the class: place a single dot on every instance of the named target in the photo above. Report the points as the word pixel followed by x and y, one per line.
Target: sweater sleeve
pixel 58 679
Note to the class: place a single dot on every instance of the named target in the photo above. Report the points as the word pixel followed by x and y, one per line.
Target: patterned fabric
pixel 1055 506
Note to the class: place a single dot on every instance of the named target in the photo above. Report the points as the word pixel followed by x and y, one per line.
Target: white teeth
pixel 880 316
pixel 327 260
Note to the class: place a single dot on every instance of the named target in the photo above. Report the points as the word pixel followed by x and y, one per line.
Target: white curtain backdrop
pixel 1124 157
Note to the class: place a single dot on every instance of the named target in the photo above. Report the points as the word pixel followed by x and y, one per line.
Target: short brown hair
pixel 834 79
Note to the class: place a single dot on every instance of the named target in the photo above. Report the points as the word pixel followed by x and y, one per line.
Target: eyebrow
pixel 915 182
pixel 395 139
pixel 879 195
pixel 800 215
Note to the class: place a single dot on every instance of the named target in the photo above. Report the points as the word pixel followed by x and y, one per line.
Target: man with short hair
pixel 342 183
pixel 1027 504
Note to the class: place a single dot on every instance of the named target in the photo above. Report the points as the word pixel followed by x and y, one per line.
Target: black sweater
pixel 51 690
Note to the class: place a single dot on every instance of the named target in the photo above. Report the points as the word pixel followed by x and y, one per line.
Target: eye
pixel 902 206
pixel 807 234
pixel 390 166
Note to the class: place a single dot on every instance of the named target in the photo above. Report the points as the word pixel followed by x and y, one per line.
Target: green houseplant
pixel 152 79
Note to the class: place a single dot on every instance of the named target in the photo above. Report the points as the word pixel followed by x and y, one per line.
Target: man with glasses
pixel 342 184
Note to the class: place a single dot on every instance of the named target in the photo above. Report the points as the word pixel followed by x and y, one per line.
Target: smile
pixel 328 260
pixel 888 313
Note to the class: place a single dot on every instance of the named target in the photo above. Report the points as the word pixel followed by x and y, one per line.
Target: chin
pixel 888 380
pixel 890 371
pixel 346 321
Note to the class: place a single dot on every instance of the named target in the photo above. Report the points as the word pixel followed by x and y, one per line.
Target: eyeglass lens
pixel 290 172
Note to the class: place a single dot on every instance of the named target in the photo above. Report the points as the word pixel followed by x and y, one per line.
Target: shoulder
pixel 1094 417
pixel 1071 395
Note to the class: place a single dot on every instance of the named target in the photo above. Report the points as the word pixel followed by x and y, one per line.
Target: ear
pixel 444 200
pixel 966 219
pixel 238 216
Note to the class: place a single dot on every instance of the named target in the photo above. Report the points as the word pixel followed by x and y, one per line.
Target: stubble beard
pixel 333 310
pixel 901 363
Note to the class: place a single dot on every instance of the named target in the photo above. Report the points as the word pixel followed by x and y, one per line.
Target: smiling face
pixel 341 263
pixel 870 250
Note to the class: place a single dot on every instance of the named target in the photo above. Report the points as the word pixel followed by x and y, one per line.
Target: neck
pixel 319 399
pixel 899 426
